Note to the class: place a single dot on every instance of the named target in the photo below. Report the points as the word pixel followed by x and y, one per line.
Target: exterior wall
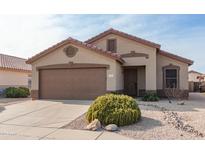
pixel 82 56
pixel 141 78
pixel 191 86
pixel 126 46
pixel 119 78
pixel 12 78
pixel 183 72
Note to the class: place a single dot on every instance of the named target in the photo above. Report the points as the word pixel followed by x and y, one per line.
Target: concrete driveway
pixel 43 119
pixel 10 101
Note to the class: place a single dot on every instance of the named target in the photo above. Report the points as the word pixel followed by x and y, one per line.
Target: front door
pixel 130 82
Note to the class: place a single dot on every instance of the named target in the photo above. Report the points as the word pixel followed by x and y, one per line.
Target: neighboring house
pixel 196 81
pixel 112 61
pixel 14 72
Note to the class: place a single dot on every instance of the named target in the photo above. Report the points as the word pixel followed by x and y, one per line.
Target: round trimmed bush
pixel 114 109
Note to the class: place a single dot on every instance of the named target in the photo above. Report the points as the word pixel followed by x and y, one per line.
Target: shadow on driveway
pixel 10 101
pixel 74 102
pixel 2 108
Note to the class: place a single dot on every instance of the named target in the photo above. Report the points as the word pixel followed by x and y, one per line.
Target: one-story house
pixel 196 81
pixel 14 72
pixel 112 61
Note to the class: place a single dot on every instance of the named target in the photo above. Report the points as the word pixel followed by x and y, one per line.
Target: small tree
pixel 173 93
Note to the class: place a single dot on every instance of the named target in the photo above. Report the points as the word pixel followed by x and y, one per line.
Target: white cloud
pixel 25 36
pixel 188 43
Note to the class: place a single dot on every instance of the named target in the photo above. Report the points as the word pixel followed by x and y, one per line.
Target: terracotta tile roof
pixel 13 63
pixel 192 71
pixel 96 49
pixel 176 57
pixel 122 34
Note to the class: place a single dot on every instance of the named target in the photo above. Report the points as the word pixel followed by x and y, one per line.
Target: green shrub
pixel 26 90
pixel 114 109
pixel 152 97
pixel 13 92
pixel 113 92
pixel 22 93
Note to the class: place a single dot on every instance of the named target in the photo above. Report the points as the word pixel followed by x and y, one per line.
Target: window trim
pixel 171 66
pixel 115 44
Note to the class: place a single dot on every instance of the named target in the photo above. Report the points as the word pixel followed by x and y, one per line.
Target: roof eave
pixel 176 57
pixel 77 43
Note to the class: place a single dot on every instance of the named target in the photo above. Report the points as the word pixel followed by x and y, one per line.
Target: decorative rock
pixel 94 125
pixel 174 119
pixel 111 127
pixel 181 103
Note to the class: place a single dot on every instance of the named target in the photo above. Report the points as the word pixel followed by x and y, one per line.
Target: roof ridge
pixel 88 44
pixel 129 36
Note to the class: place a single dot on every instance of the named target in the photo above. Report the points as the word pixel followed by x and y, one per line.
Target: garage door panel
pixel 72 83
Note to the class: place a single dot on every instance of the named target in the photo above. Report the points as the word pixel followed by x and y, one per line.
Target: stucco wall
pixel 126 46
pixel 11 78
pixel 183 72
pixel 83 56
pixel 119 78
pixel 141 78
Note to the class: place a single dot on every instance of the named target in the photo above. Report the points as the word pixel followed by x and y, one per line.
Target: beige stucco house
pixel 14 72
pixel 196 81
pixel 112 61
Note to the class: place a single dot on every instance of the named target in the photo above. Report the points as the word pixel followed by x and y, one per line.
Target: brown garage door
pixel 86 83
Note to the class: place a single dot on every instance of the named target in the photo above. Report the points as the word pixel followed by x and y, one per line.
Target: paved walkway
pixel 43 120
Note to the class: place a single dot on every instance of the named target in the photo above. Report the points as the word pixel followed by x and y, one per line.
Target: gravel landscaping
pixel 162 120
pixel 78 123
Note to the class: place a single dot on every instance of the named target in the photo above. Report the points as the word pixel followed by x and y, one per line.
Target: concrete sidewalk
pixel 12 132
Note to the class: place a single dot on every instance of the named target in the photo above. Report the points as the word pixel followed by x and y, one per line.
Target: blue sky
pixel 27 35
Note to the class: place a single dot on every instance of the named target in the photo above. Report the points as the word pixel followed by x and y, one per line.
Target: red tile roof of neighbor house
pixel 192 71
pixel 13 63
pixel 122 34
pixel 176 57
pixel 73 41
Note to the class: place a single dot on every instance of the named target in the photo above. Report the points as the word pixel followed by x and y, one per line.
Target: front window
pixel 171 80
pixel 112 45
